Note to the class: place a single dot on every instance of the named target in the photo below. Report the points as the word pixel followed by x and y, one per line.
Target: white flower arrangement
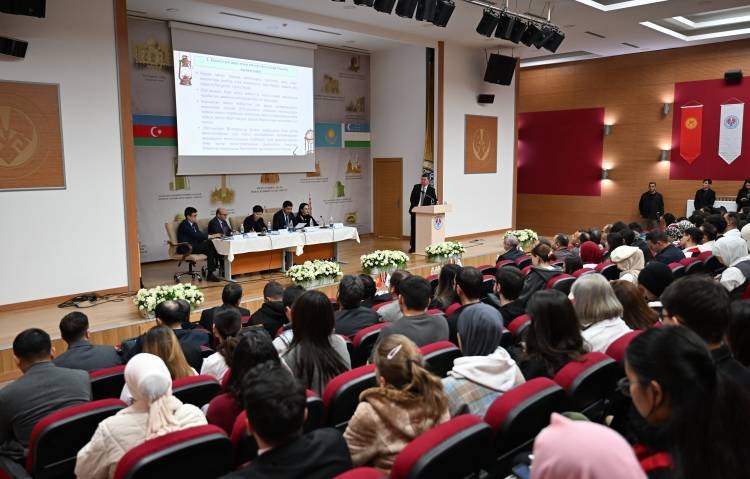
pixel 147 299
pixel 312 270
pixel 525 236
pixel 445 249
pixel 383 260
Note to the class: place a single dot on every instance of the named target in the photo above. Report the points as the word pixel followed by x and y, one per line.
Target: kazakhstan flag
pixel 328 135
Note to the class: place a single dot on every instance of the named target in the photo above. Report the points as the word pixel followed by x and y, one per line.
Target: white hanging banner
pixel 730 131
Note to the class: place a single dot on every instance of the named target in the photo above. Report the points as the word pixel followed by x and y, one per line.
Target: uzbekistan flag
pixel 356 135
pixel 153 130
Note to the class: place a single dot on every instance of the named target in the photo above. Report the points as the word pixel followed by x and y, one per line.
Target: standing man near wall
pixel 705 196
pixel 422 194
pixel 651 204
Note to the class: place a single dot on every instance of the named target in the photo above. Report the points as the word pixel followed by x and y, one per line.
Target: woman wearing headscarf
pixel 732 253
pixel 486 370
pixel 569 449
pixel 591 254
pixel 154 412
pixel 629 260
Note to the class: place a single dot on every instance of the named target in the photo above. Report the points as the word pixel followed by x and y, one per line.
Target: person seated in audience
pixel 690 241
pixel 702 305
pixel 662 248
pixel 283 340
pixel 718 221
pixel 316 355
pixel 665 220
pixel 732 220
pixel 41 390
pixel 231 296
pixel 226 328
pixel 738 331
pixel 392 311
pixel 352 316
pixel 407 402
pixel 595 236
pixel 709 237
pixel 577 239
pixel 485 371
pixel 508 286
pixel 629 261
pixel 275 405
pixel 153 413
pixel 672 380
pixel 416 324
pixel 572 264
pixel 445 293
pixel 635 310
pixel 370 291
pixel 632 238
pixel 304 216
pixel 731 251
pixel 162 342
pixel 541 271
pixel 469 289
pixel 553 338
pixel 283 218
pixel 599 312
pixel 652 281
pixel 568 449
pixel 745 234
pixel 271 313
pixel 512 249
pixel 614 240
pixel 219 224
pixel 560 247
pixel 200 242
pixel 255 221
pixel 81 354
pixel 591 254
pixel 254 347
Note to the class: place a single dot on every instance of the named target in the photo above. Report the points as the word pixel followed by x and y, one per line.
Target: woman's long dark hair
pixel 445 293
pixel 253 347
pixel 708 425
pixel 313 322
pixel 635 310
pixel 554 335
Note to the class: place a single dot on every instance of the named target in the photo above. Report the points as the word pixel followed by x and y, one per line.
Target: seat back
pixel 525 270
pixel 376 307
pixel 107 382
pixel 171 227
pixel 315 411
pixel 617 349
pixel 488 285
pixel 580 272
pixel 523 261
pixel 678 270
pixel 712 265
pixel 341 395
pixel 439 357
pixel 517 416
pixel 562 282
pixel 518 326
pixel 609 270
pixel 452 308
pixel 203 223
pixel 364 341
pixel 362 473
pixel 57 437
pixel 487 269
pixel 456 448
pixel 590 383
pixel 244 445
pixel 506 263
pixel 196 390
pixel 693 266
pixel 201 451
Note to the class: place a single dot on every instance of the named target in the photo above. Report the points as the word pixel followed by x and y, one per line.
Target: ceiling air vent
pixel 598 35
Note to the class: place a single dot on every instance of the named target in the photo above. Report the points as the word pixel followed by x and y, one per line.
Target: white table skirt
pixel 729 205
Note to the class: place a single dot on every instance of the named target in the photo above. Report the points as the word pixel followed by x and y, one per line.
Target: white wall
pixel 59 242
pixel 397 86
pixel 481 202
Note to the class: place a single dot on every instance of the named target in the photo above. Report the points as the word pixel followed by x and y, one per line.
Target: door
pixel 388 208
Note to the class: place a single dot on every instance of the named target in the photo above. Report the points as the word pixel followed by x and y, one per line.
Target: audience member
pixel 231 296
pixel 352 316
pixel 635 310
pixel 690 241
pixel 315 354
pixel 568 449
pixel 511 245
pixel 652 281
pixel 599 312
pixel 283 340
pixel 271 313
pixel 81 354
pixel 197 241
pixel 560 247
pixel 370 291
pixel 745 234
pixel 541 271
pixel 731 251
pixel 445 293
pixel 632 238
pixel 663 249
pixel 629 260
pixel 709 237
pixel 275 405
pixel 665 220
pixel 407 402
pixel 732 219
pixel 614 240
pixel 738 332
pixel 675 387
pixel 392 311
pixel 469 289
pixel 153 413
pixel 591 254
pixel 255 221
pixel 485 371
pixel 553 338
pixel 41 390
pixel 508 286
pixel 595 236
pixel 718 221
pixel 227 325
pixel 417 325
pixel 572 264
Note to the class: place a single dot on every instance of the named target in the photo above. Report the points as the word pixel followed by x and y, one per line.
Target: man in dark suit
pixel 352 317
pixel 81 354
pixel 219 224
pixel 275 407
pixel 651 205
pixel 42 390
pixel 284 217
pixel 255 222
pixel 231 296
pixel 705 196
pixel 662 248
pixel 188 232
pixel 421 195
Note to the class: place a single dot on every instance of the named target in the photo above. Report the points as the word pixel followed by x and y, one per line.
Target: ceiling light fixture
pixel 695 38
pixel 619 5
pixel 712 23
pixel 488 23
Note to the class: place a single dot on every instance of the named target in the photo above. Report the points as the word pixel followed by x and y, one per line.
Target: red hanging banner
pixel 690 132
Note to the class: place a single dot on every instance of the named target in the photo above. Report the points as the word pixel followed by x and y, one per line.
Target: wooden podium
pixel 430 225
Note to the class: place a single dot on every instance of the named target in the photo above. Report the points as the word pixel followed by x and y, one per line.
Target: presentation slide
pixel 245 108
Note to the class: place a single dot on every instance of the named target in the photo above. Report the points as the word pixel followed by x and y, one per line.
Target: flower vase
pixel 146 314
pixel 527 246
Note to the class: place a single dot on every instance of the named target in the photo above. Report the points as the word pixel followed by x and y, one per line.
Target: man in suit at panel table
pixel 188 232
pixel 219 224
pixel 421 195
pixel 284 217
pixel 81 354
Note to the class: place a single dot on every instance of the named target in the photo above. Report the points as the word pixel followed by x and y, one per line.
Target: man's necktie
pixel 421 197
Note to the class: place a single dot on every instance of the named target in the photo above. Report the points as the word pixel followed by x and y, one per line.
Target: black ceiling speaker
pixel 443 12
pixel 32 8
pixel 426 10
pixel 406 8
pixel 488 23
pixel 554 41
pixel 500 69
pixel 532 35
pixel 13 47
pixel 385 6
pixel 485 98
pixel 733 77
pixel 364 3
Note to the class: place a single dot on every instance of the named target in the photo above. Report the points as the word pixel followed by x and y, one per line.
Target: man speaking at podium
pixel 421 195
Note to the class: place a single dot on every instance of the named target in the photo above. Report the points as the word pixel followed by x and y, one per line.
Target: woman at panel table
pixel 304 215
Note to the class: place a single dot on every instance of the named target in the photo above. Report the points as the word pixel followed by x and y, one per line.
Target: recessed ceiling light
pixel 618 5
pixel 712 23
pixel 172 10
pixel 693 38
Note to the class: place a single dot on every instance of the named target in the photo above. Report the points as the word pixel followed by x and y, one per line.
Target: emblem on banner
pixel 691 123
pixel 731 122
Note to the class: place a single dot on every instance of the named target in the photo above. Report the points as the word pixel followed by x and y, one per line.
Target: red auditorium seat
pixel 456 448
pixel 487 269
pixel 517 416
pixel 439 357
pixel 562 282
pixel 712 264
pixel 201 451
pixel 506 263
pixel 452 308
pixel 678 270
pixel 376 307
pixel 363 342
pixel 196 390
pixel 222 411
pixel 341 395
pixel 435 311
pixel 589 383
pixel 362 473
pixel 57 437
pixel 525 270
pixel 107 382
pixel 693 265
pixel 609 270
pixel 488 285
pixel 617 349
pixel 523 261
pixel 580 272
pixel 519 325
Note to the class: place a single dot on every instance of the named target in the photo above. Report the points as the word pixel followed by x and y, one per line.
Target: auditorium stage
pixel 116 318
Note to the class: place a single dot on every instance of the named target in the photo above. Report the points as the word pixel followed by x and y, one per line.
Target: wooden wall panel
pixel 632 89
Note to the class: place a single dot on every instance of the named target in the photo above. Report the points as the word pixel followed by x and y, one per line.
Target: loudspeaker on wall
pixel 500 69
pixel 32 8
pixel 733 77
pixel 13 47
pixel 484 98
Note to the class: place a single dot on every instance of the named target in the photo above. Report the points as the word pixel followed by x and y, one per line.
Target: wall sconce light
pixel 665 107
pixel 607 130
pixel 664 155
pixel 605 174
